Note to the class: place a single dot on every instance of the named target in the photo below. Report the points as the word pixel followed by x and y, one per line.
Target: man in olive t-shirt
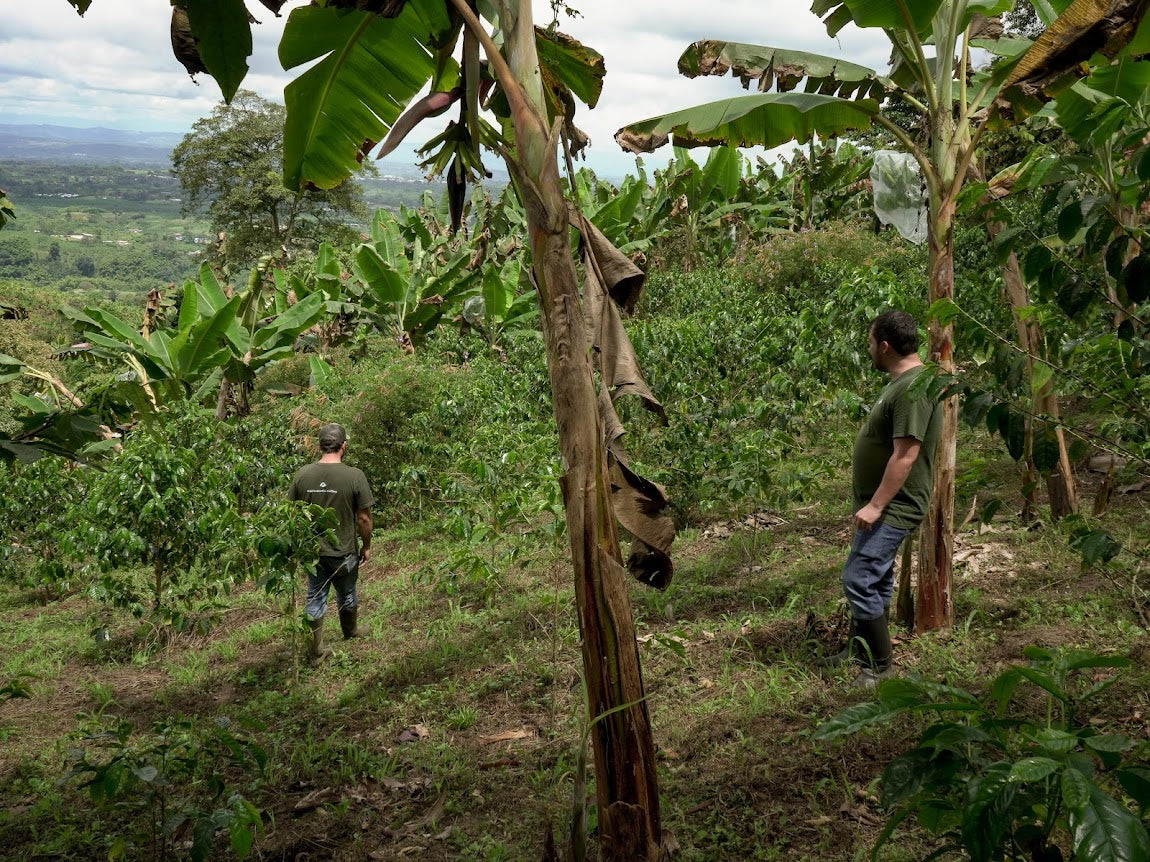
pixel 334 485
pixel 893 473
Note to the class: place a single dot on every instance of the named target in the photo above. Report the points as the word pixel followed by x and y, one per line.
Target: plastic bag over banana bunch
pixel 900 194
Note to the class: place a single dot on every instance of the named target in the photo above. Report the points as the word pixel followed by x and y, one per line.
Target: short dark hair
pixel 331 437
pixel 898 329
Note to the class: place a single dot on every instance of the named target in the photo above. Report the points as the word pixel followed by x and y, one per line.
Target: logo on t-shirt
pixel 323 484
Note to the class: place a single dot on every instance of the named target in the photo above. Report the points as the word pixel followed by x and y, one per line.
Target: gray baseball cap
pixel 331 437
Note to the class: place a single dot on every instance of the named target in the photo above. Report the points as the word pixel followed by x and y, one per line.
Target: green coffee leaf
pixel 1041 376
pixel 944 311
pixel 988 816
pixel 1032 769
pixel 1111 743
pixel 1104 830
pixel 1135 780
pixel 1056 741
pixel 1096 546
pixel 853 719
pixel 1075 789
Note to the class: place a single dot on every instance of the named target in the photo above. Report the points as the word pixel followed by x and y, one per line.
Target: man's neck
pixel 903 364
pixel 331 458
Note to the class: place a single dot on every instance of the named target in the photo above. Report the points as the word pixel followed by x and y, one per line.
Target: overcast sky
pixel 114 67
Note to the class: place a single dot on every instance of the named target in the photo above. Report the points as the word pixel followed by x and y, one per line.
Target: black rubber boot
pixel 316 651
pixel 348 622
pixel 847 654
pixel 876 658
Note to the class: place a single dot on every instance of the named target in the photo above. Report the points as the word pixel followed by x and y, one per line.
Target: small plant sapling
pixel 171 784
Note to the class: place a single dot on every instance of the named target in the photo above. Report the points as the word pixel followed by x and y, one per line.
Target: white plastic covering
pixel 475 310
pixel 900 196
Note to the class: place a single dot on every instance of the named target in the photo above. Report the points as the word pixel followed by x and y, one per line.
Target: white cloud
pixel 114 67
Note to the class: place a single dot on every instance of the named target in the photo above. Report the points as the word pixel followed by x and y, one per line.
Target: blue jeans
pixel 868 576
pixel 338 572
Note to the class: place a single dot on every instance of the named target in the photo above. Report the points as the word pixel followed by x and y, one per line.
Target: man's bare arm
pixel 906 451
pixel 364 526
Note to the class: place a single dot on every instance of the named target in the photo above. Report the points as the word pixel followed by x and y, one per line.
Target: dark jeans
pixel 868 576
pixel 338 572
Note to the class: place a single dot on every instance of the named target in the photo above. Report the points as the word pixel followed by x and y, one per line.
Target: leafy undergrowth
pixel 452 733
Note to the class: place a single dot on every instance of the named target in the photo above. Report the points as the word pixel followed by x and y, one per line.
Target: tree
pixel 7 211
pixel 16 256
pixel 371 58
pixel 956 104
pixel 217 339
pixel 231 165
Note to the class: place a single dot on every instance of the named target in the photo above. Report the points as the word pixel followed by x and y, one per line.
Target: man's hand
pixel 894 476
pixel 363 524
pixel 867 516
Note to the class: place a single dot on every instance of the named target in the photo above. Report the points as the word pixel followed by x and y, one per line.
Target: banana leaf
pixel 284 328
pixel 368 69
pixel 918 15
pixel 568 66
pixel 378 274
pixel 764 119
pixel 206 341
pixel 11 368
pixel 782 69
pixel 1054 61
pixel 222 36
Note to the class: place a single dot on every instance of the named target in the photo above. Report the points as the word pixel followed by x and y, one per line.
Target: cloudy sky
pixel 114 67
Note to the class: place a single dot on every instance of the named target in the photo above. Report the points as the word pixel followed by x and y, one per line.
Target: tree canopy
pixel 231 166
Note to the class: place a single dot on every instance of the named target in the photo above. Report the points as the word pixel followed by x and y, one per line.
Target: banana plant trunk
pixel 1060 484
pixel 624 751
pixel 934 608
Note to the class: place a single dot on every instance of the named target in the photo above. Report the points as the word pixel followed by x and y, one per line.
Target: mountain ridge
pixel 101 145
pixel 68 144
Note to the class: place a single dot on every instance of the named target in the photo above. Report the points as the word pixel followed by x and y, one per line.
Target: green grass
pixel 734 695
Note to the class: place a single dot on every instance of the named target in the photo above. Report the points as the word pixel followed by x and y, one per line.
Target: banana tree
pixel 217 340
pixel 956 103
pixel 624 214
pixel 166 366
pixel 370 61
pixel 259 329
pixel 406 292
pixel 502 306
pixel 54 423
pixel 828 181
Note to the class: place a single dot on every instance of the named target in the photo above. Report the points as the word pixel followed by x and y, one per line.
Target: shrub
pixel 798 268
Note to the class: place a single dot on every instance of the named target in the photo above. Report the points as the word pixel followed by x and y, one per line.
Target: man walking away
pixel 334 485
pixel 893 474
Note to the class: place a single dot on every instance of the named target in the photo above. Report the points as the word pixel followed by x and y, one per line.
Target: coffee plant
pixel 1018 773
pixel 172 789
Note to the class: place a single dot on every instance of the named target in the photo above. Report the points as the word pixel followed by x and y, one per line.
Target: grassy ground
pixel 453 732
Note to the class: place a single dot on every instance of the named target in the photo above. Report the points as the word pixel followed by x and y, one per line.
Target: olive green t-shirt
pixel 895 415
pixel 334 486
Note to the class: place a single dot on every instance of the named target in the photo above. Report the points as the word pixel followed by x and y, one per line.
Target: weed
pixel 102 694
pixel 462 717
